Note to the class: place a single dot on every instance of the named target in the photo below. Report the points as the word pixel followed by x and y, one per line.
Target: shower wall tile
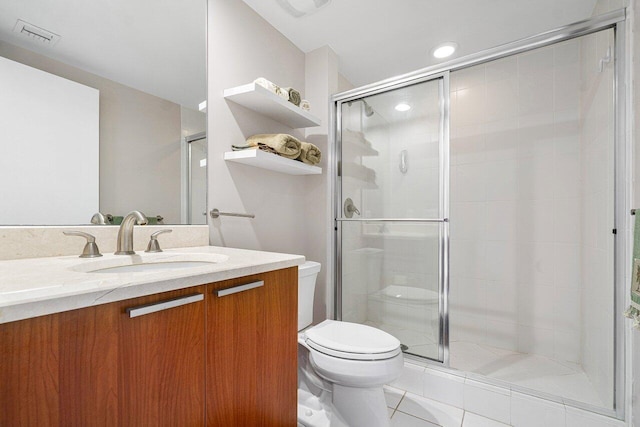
pixel 567 174
pixel 536 134
pixel 470 106
pixel 470 220
pixel 470 299
pixel 536 340
pixel 535 219
pixel 502 335
pixel 467 327
pixel 597 240
pixel 566 87
pixel 535 177
pixel 501 261
pixel 501 141
pixel 502 99
pixel 567 53
pixel 468 258
pixel 567 266
pixel 502 302
pixel 501 69
pixel 501 180
pixel 535 264
pixel 472 181
pixel 519 119
pixel 468 144
pixel 565 228
pixel 535 92
pixel 536 306
pixel 567 346
pixel 502 220
pixel 467 78
pixel 535 62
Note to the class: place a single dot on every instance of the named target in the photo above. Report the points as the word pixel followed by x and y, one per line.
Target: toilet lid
pixel 352 341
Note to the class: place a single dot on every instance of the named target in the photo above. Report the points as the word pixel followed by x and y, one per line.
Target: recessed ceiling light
pixel 403 107
pixel 444 50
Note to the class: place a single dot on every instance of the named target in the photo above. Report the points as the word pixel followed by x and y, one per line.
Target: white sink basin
pixel 152 266
pixel 149 263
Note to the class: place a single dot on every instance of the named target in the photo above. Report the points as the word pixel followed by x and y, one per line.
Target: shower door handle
pixel 350 208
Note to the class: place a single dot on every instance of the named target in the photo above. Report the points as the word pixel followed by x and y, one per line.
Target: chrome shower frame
pixel 622 169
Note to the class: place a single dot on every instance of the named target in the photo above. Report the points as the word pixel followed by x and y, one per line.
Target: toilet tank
pixel 307 274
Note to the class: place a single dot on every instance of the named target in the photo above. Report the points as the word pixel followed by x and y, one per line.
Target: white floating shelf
pixel 261 100
pixel 261 159
pixel 357 142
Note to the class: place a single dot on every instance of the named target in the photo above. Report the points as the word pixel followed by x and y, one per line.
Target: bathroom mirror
pixel 105 112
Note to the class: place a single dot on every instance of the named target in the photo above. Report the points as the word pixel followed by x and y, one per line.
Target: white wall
pixel 321 81
pixel 49 140
pixel 242 47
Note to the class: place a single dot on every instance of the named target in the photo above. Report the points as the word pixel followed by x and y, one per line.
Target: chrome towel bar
pixel 215 213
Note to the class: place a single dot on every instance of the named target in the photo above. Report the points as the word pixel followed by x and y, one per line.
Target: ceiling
pixel 156 46
pixel 378 39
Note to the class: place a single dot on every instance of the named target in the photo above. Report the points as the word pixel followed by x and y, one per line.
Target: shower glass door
pixel 391 213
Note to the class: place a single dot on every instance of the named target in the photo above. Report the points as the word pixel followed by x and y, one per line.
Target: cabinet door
pixel 97 366
pixel 161 359
pixel 29 373
pixel 252 350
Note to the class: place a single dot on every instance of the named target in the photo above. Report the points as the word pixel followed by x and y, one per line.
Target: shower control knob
pixel 350 208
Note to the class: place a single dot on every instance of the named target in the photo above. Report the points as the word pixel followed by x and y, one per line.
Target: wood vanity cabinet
pixel 97 366
pixel 215 361
pixel 252 325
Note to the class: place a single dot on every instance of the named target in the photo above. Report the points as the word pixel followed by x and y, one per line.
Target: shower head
pixel 368 111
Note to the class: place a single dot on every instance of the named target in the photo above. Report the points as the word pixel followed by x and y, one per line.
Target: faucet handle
pixel 91 248
pixel 153 245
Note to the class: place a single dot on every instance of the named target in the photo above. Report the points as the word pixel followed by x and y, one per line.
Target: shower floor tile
pixel 539 373
pixel 559 378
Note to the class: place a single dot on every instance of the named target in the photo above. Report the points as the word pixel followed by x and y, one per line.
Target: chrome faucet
pixel 125 233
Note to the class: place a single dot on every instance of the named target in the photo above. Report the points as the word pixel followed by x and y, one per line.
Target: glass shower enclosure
pixel 393 219
pixel 480 214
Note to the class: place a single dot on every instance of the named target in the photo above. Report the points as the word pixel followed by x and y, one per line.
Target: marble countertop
pixel 38 286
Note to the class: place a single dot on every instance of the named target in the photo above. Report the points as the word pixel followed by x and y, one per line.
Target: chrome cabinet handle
pixel 239 288
pixel 164 305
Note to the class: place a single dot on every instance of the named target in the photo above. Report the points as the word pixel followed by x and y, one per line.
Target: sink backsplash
pixel 36 242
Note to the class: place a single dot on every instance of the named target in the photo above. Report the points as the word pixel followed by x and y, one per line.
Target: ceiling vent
pixel 35 33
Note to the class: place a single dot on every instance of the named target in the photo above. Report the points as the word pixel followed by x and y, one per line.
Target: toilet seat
pixel 352 341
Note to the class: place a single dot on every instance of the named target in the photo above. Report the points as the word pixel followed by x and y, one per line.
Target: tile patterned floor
pixel 410 410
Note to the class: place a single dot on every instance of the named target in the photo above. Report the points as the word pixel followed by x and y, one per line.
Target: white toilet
pixel 342 366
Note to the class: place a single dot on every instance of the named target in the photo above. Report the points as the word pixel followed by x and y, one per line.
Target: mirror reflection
pixel 102 111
